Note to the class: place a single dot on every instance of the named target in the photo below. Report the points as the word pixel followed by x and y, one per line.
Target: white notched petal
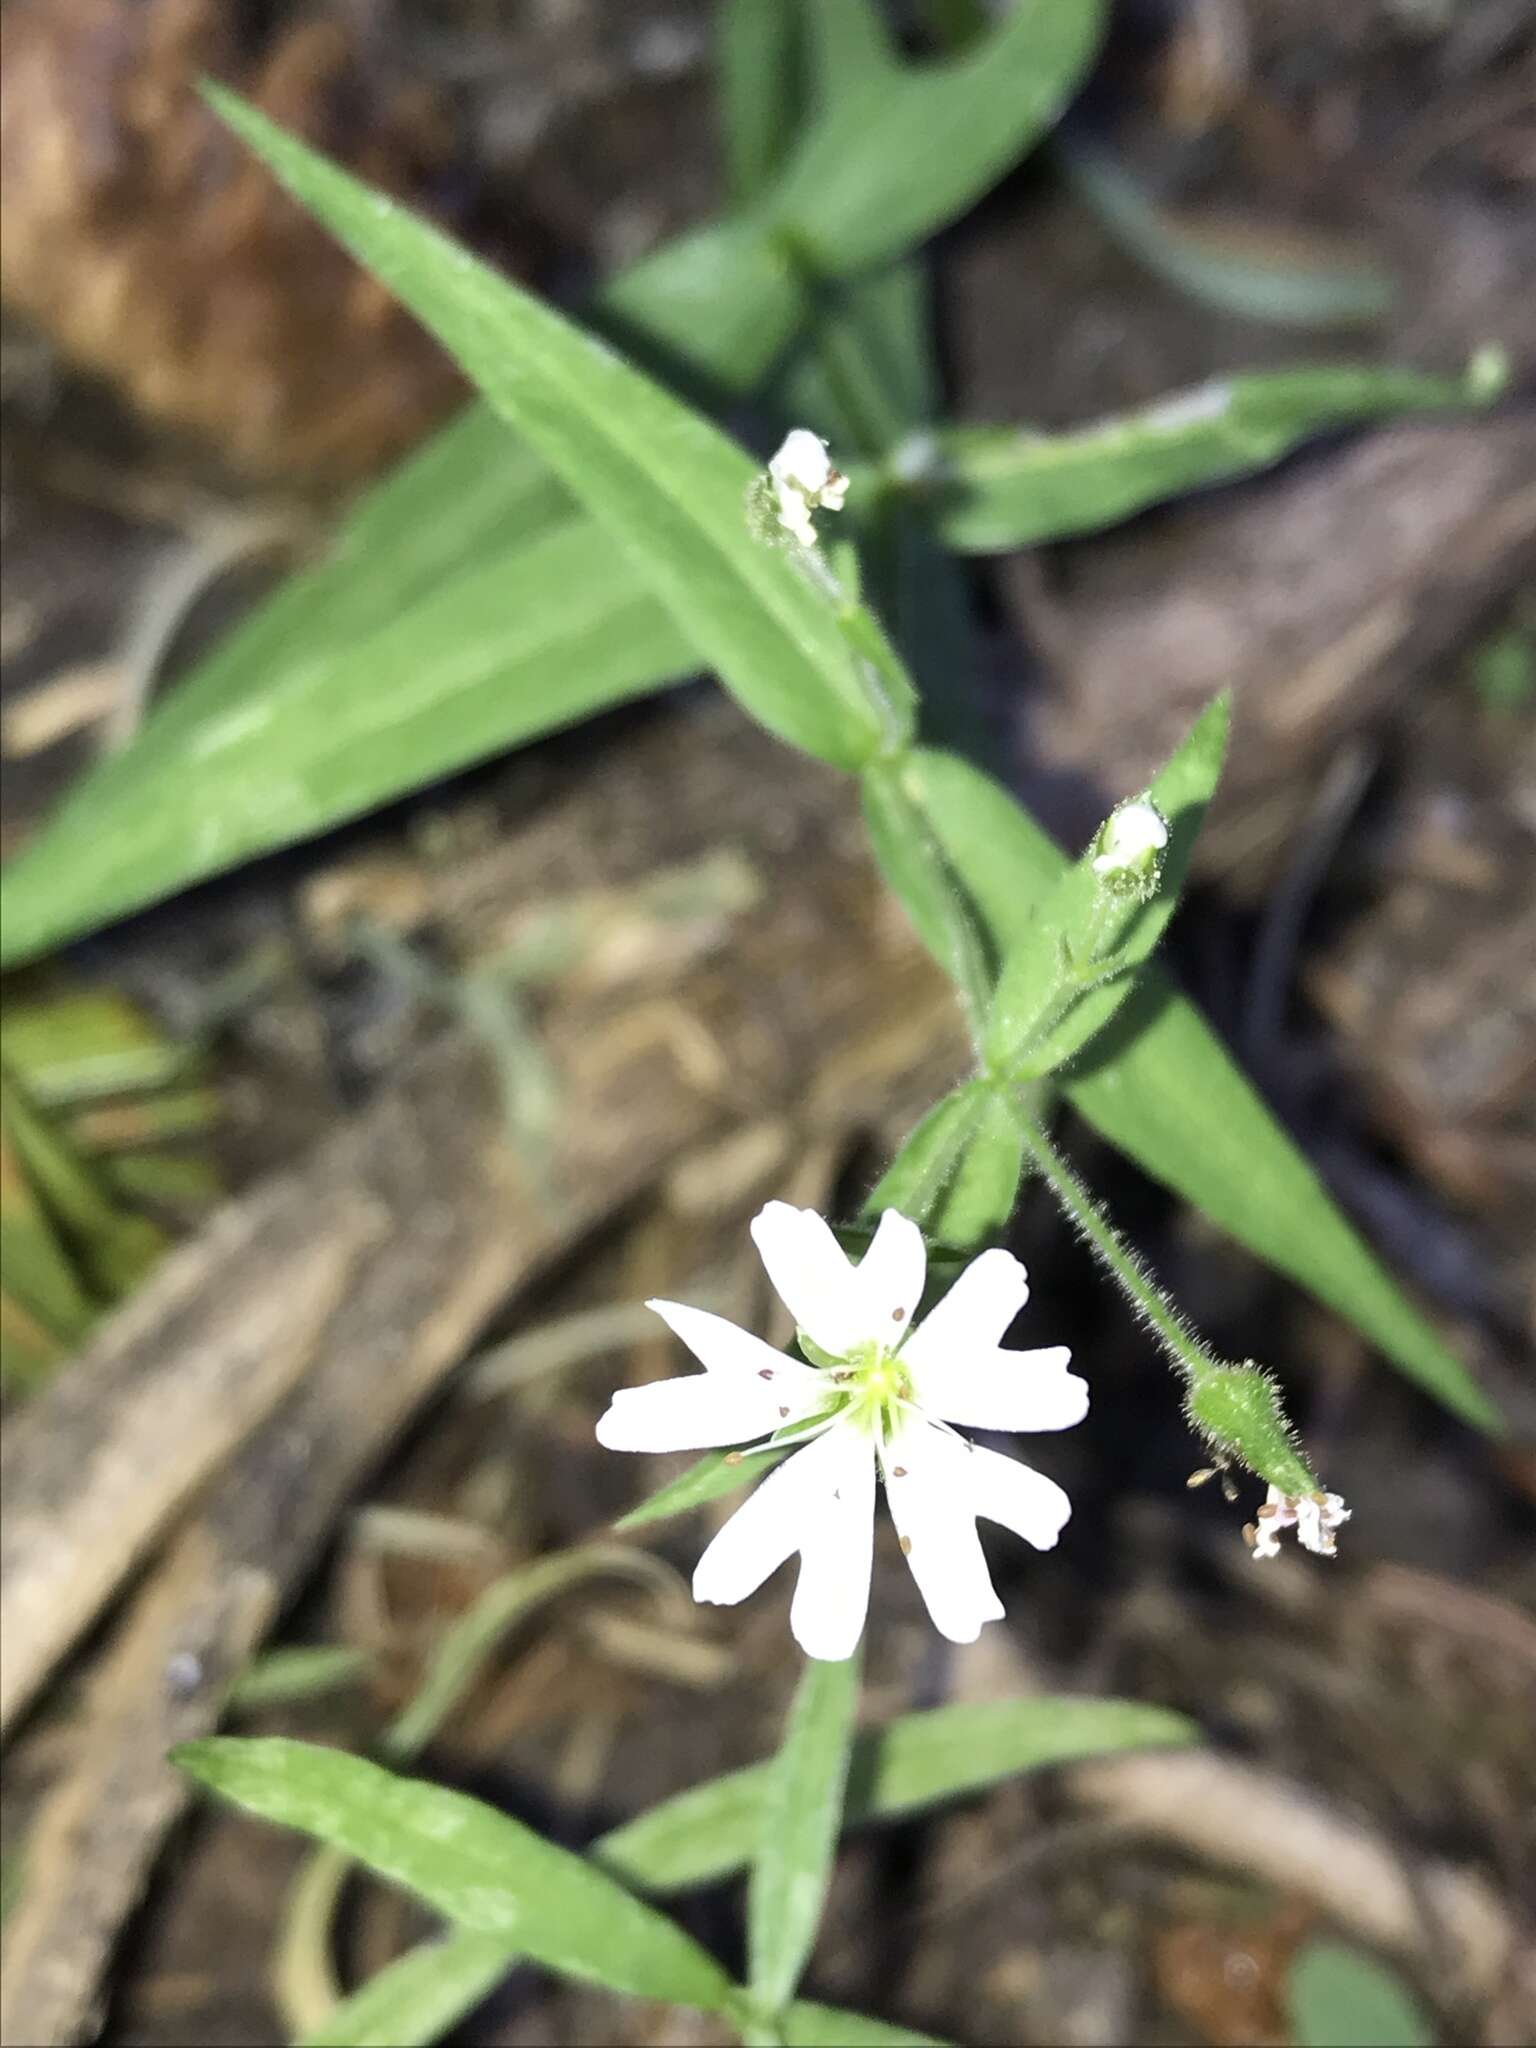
pixel 827 1614
pixel 890 1277
pixel 764 1530
pixel 720 1347
pixel 973 1317
pixel 772 1524
pixel 926 1488
pixel 811 1276
pixel 700 1413
pixel 1020 1498
pixel 1020 1390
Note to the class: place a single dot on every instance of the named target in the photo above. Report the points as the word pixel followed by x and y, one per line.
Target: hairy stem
pixel 1126 1268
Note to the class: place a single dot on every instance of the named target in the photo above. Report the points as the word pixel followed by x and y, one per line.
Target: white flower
pixel 886 1395
pixel 1314 1517
pixel 1131 840
pixel 804 480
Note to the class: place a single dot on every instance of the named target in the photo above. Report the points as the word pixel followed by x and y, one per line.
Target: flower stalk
pixel 1236 1407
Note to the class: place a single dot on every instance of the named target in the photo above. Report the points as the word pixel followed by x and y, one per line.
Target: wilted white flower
pixel 804 479
pixel 1314 1517
pixel 1132 839
pixel 880 1393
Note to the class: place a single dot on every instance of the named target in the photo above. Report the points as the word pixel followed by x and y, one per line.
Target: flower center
pixel 875 1386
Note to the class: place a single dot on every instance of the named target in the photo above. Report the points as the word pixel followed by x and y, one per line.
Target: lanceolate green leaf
pixel 652 472
pixel 716 1473
pixel 851 48
pixel 801 1823
pixel 556 630
pixel 477 1867
pixel 418 1998
pixel 755 83
pixel 1162 1087
pixel 958 1172
pixel 1005 487
pixel 913 862
pixel 301 1672
pixel 913 1763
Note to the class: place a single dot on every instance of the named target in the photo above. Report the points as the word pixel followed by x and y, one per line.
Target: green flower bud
pixel 1128 859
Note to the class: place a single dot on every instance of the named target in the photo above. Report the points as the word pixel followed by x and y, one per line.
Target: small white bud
pixel 804 479
pixel 1314 1517
pixel 1131 840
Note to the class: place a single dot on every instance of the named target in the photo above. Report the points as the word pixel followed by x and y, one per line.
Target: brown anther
pixel 898 1471
pixel 765 1372
pixel 1269 1508
pixel 1200 1478
pixel 1318 1499
pixel 898 1315
pixel 783 1412
pixel 1250 1534
pixel 906 1546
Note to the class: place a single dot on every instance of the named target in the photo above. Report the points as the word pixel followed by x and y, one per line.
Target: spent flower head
pixel 877 1394
pixel 803 480
pixel 1314 1517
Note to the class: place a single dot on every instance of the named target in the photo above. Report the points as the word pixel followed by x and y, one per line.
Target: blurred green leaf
pixel 304 1671
pixel 996 488
pixel 756 52
pixel 544 636
pixel 44 1310
pixel 178 1181
pixel 1262 272
pixel 111 1248
pixel 461 1655
pixel 1503 671
pixel 913 1763
pixel 667 485
pixel 477 1867
pixel 29 1350
pixel 826 2026
pixel 82 1044
pixel 419 1997
pixel 912 148
pixel 1019 1026
pixel 1342 1998
pixel 850 49
pixel 1161 1086
pixel 800 1823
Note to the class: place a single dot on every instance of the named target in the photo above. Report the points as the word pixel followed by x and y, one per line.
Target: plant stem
pixel 1128 1270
